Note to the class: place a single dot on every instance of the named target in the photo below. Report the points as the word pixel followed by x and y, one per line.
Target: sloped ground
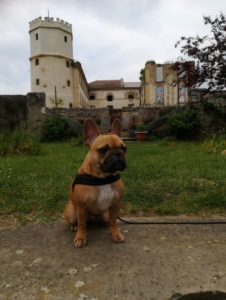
pixel 156 261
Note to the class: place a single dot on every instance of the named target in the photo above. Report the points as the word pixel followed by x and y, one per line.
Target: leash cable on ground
pixel 172 222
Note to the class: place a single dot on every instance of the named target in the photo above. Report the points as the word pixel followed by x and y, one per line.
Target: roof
pixel 112 84
pixel 132 84
pixel 99 84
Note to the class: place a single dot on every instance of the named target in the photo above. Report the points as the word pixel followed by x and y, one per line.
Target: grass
pixel 163 177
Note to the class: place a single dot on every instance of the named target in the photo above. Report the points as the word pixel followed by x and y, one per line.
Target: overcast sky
pixel 112 38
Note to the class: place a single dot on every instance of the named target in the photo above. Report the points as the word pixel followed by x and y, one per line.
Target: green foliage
pixel 215 145
pixel 142 75
pixel 54 128
pixel 19 143
pixel 148 120
pixel 183 125
pixel 211 109
pixel 163 112
pixel 57 102
pixel 140 127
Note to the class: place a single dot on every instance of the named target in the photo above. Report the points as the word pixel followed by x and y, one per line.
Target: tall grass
pixel 215 144
pixel 19 143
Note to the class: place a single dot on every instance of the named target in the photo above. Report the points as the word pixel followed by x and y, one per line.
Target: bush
pixel 183 125
pixel 54 128
pixel 19 143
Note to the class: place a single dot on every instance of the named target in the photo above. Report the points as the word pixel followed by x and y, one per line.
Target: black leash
pixel 171 222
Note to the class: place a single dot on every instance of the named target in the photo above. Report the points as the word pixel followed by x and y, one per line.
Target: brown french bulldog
pixel 98 189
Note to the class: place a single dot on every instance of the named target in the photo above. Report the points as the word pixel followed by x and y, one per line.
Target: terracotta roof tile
pixel 112 84
pixel 99 84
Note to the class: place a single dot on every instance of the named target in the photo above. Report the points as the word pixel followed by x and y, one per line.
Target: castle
pixel 62 79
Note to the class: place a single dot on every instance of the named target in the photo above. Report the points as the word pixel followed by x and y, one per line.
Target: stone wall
pixel 105 116
pixel 211 108
pixel 28 112
pixel 22 112
pixel 217 98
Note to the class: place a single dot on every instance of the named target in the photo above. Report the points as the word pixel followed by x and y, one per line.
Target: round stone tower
pixel 51 56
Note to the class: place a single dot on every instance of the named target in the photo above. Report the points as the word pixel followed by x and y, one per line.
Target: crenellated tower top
pixel 51 23
pixel 49 36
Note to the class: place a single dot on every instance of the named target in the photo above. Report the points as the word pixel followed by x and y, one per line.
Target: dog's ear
pixel 91 131
pixel 116 127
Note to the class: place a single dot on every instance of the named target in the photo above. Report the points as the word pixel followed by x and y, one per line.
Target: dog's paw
pixel 117 236
pixel 80 242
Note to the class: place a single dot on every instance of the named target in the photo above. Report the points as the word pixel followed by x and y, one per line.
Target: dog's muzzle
pixel 114 162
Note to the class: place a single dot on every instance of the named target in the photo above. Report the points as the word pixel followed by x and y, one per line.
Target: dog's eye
pixel 124 148
pixel 104 149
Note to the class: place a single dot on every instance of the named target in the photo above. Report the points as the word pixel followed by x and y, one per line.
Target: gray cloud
pixel 112 38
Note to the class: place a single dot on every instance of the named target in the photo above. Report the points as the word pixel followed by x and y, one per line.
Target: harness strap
pixel 86 179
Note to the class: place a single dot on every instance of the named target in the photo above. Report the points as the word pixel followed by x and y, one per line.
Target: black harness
pixel 86 179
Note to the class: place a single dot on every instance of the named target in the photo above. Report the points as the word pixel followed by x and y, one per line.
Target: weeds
pixel 19 143
pixel 215 145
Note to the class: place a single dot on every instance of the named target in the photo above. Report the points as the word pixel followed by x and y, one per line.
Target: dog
pixel 97 189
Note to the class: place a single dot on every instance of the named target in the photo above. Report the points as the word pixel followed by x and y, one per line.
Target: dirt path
pixel 156 262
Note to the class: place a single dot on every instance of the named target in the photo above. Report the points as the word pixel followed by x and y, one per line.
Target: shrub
pixel 148 120
pixel 54 128
pixel 165 111
pixel 183 125
pixel 19 143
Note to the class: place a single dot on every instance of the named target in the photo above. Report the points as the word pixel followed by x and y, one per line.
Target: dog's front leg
pixel 81 236
pixel 116 235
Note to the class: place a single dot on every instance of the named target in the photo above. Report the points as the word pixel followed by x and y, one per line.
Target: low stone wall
pixel 217 98
pixel 22 112
pixel 28 112
pixel 105 116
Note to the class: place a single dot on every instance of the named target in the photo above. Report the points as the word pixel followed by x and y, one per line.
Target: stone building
pixel 53 69
pixel 160 85
pixel 55 73
pixel 114 93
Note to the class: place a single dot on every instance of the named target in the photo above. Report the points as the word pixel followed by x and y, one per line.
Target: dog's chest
pixel 106 197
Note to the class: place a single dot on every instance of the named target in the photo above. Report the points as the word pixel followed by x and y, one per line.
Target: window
pixel 159 95
pixel 110 97
pixel 70 105
pixel 91 97
pixel 67 63
pixel 181 94
pixel 159 74
pixel 36 61
pixel 65 39
pixel 36 36
pixel 131 96
pixel 37 81
pixel 68 83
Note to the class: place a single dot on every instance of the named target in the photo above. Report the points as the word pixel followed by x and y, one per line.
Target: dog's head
pixel 107 152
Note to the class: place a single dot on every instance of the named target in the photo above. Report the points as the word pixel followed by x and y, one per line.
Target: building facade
pixel 55 72
pixel 114 93
pixel 160 85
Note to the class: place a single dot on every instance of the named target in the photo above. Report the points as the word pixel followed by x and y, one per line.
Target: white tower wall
pixel 50 58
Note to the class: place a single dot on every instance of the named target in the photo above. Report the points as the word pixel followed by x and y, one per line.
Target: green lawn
pixel 163 177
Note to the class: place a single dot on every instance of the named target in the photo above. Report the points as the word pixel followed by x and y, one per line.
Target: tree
pixel 208 54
